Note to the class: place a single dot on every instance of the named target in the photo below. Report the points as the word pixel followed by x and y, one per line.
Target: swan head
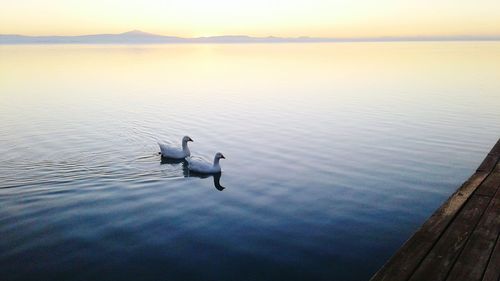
pixel 219 155
pixel 186 139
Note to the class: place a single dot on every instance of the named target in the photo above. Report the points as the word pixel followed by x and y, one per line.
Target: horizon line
pixel 140 32
pixel 137 36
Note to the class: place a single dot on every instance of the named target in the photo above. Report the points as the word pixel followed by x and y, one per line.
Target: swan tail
pixel 159 152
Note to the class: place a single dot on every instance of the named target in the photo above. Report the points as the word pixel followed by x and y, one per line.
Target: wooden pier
pixel 460 241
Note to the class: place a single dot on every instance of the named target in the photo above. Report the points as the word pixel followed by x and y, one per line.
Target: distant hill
pixel 140 37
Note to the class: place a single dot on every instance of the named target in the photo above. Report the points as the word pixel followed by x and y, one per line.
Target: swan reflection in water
pixel 217 176
pixel 165 160
pixel 187 173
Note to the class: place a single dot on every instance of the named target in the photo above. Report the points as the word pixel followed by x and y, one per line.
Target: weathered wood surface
pixel 492 272
pixel 476 254
pixel 460 241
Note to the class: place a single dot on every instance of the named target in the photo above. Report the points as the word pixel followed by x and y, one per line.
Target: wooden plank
pixel 473 260
pixel 488 163
pixel 490 185
pixel 404 263
pixel 491 159
pixel 441 258
pixel 492 272
pixel 496 149
pixel 409 256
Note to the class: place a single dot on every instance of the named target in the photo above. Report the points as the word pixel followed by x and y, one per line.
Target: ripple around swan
pixel 330 164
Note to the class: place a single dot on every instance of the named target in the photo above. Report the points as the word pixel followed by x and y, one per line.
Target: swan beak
pixel 191 140
pixel 222 156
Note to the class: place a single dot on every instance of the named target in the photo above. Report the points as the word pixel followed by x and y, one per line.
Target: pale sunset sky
pixel 192 18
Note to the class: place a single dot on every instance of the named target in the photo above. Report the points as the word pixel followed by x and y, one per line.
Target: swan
pixel 201 165
pixel 170 151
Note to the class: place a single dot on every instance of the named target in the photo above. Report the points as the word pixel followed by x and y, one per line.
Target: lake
pixel 335 154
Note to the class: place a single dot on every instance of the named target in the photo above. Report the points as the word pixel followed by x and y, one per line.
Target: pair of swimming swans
pixel 195 163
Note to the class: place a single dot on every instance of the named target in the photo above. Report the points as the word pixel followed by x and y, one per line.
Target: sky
pixel 290 18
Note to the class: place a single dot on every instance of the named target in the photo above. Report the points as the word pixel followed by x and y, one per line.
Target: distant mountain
pixel 134 36
pixel 136 32
pixel 140 37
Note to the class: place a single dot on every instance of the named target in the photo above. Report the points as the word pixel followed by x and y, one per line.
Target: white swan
pixel 171 151
pixel 201 165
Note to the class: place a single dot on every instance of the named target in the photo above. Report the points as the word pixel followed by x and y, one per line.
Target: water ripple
pixel 330 164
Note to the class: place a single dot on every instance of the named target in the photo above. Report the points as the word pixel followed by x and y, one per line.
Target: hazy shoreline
pixel 139 37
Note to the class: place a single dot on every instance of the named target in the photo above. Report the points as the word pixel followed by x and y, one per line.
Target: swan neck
pixel 185 146
pixel 216 161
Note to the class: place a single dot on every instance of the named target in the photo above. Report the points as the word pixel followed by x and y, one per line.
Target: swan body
pixel 171 151
pixel 201 165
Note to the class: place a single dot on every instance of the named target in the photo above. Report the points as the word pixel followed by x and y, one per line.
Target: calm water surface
pixel 335 153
